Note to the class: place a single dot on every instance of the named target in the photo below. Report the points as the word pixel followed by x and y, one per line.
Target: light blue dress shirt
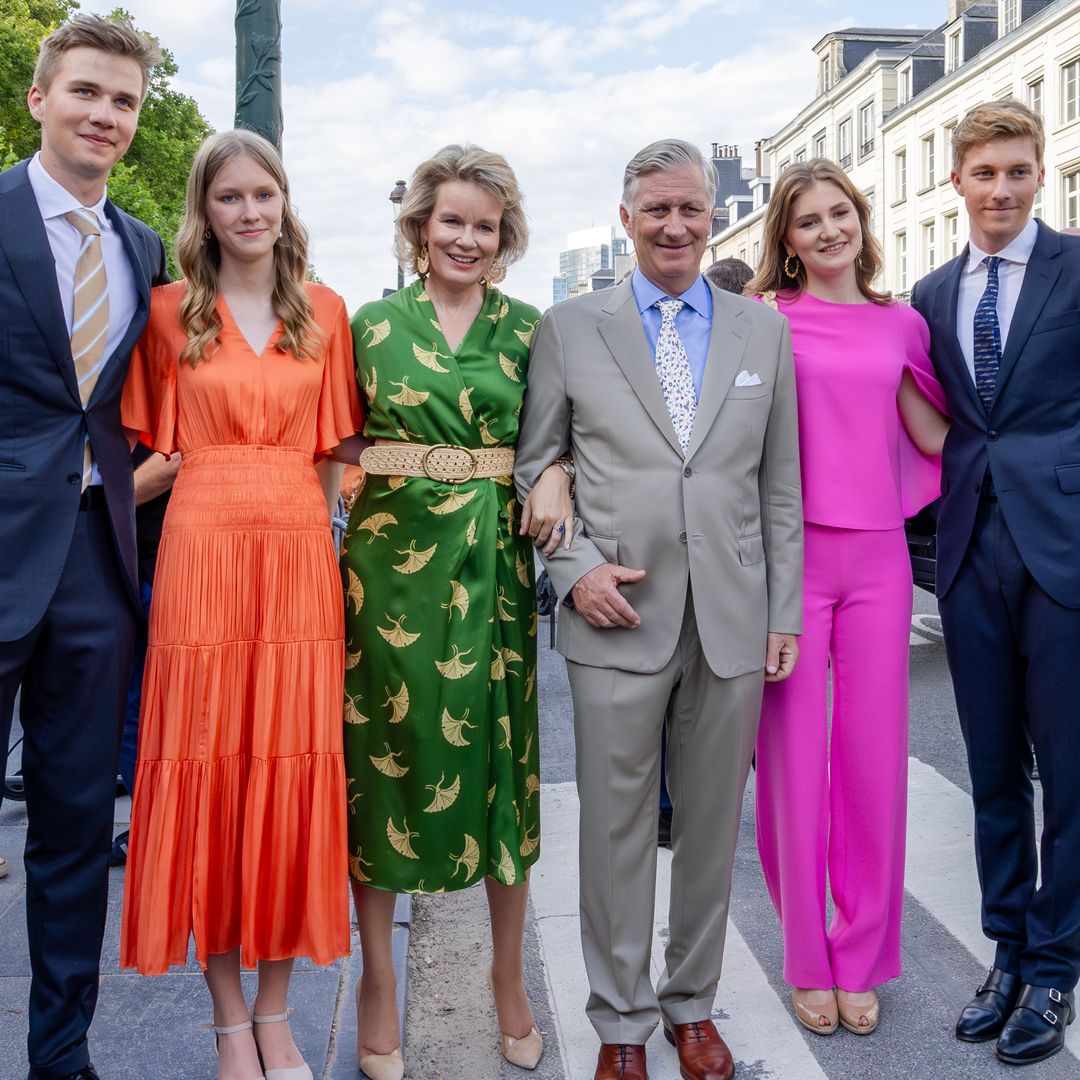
pixel 694 322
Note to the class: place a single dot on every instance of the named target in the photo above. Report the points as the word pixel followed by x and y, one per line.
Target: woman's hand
pixel 548 516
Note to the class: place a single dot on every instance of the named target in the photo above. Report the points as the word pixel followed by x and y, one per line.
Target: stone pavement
pixel 152 1027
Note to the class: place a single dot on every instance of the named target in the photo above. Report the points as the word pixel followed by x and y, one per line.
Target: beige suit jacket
pixel 726 519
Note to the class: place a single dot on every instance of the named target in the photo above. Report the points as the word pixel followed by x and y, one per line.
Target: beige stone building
pixel 886 104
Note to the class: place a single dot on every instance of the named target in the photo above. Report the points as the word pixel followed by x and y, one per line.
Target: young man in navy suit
pixel 1004 321
pixel 75 277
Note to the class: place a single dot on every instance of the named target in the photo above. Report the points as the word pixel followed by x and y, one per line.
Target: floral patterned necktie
pixel 673 370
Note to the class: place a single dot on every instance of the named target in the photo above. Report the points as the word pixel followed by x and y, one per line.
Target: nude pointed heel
pixel 525 1052
pixel 232 1030
pixel 378 1066
pixel 294 1072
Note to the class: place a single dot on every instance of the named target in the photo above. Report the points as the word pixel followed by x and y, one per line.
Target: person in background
pixel 75 277
pixel 238 820
pixel 677 404
pixel 441 737
pixel 154 476
pixel 729 275
pixel 1005 336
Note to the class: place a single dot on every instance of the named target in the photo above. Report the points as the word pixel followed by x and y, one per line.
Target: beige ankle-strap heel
pixel 233 1030
pixel 295 1072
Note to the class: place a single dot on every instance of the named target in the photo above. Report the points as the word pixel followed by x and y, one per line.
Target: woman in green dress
pixel 441 741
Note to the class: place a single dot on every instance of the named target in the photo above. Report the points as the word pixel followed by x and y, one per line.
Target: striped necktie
pixel 673 370
pixel 90 313
pixel 987 347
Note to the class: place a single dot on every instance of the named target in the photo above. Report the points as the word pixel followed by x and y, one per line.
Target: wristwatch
pixel 567 466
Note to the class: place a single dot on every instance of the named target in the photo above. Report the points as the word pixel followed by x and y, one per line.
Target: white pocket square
pixel 746 378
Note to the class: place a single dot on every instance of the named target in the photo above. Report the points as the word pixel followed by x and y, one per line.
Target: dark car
pixel 922 546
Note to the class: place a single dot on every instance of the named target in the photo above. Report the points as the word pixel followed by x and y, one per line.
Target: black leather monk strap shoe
pixel 1036 1028
pixel 984 1016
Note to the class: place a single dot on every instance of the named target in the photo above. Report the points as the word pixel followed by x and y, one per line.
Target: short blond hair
pixel 1006 118
pixel 470 164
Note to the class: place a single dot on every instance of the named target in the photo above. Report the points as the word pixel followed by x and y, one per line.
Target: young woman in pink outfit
pixel 831 796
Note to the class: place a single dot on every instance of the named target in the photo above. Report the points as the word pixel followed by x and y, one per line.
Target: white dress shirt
pixel 54 201
pixel 1014 259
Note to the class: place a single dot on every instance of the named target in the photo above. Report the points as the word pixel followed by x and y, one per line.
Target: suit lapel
pixel 946 304
pixel 624 335
pixel 727 343
pixel 1039 280
pixel 26 245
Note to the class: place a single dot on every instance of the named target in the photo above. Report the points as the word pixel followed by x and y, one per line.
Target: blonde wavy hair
pixel 471 164
pixel 1002 119
pixel 199 256
pixel 796 180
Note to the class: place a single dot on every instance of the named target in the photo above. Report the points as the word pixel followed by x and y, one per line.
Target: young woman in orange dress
pixel 238 825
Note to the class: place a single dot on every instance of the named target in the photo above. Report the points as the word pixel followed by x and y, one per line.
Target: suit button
pixel 682 538
pixel 75 478
pixel 687 471
pixel 992 435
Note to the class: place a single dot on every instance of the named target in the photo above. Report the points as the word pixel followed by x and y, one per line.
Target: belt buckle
pixel 448 476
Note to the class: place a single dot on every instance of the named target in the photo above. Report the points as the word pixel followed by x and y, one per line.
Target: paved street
pixel 150 1028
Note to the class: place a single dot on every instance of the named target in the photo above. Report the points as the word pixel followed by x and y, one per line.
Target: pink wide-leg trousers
pixel 832 798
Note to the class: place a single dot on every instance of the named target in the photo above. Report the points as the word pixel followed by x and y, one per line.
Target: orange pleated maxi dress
pixel 238 829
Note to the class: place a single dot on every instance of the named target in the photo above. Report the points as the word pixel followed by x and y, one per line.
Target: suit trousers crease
pixel 831 796
pixel 618 719
pixel 1012 652
pixel 73 668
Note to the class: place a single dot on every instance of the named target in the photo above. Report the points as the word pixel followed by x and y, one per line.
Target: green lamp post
pixel 258 67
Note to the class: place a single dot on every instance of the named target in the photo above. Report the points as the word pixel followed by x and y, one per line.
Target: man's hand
pixel 597 597
pixel 780 655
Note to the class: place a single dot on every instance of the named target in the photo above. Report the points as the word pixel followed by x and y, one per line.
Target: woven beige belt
pixel 443 462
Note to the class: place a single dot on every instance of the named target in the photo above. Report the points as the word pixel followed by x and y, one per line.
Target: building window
pixel 866 129
pixel 901 261
pixel 952 235
pixel 742 254
pixel 901 176
pixel 947 133
pixel 954 51
pixel 1009 16
pixel 826 74
pixel 1070 184
pixel 903 90
pixel 756 252
pixel 1035 96
pixel 1070 91
pixel 843 143
pixel 819 144
pixel 784 165
pixel 1037 203
pixel 800 155
pixel 929 246
pixel 929 170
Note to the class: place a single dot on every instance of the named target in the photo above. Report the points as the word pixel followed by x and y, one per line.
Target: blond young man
pixel 1004 319
pixel 75 277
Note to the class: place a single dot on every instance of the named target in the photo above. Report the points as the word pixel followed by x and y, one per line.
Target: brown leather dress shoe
pixel 703 1055
pixel 621 1061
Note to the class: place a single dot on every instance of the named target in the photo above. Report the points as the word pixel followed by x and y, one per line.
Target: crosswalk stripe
pixel 940 875
pixel 759 1028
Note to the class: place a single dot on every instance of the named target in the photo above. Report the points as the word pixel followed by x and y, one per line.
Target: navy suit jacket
pixel 42 421
pixel 1030 438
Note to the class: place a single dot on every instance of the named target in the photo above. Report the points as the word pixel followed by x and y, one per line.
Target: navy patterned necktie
pixel 988 335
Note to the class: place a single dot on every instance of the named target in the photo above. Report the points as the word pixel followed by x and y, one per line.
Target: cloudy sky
pixel 567 90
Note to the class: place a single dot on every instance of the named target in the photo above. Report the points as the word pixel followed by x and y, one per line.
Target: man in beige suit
pixel 681 587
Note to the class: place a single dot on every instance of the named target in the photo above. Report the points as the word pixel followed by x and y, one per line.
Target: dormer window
pixel 1008 16
pixel 826 73
pixel 954 51
pixel 903 89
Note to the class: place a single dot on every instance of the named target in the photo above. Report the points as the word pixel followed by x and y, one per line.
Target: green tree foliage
pixel 150 182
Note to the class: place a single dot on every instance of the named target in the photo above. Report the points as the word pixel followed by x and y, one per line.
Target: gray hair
pixel 667 155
